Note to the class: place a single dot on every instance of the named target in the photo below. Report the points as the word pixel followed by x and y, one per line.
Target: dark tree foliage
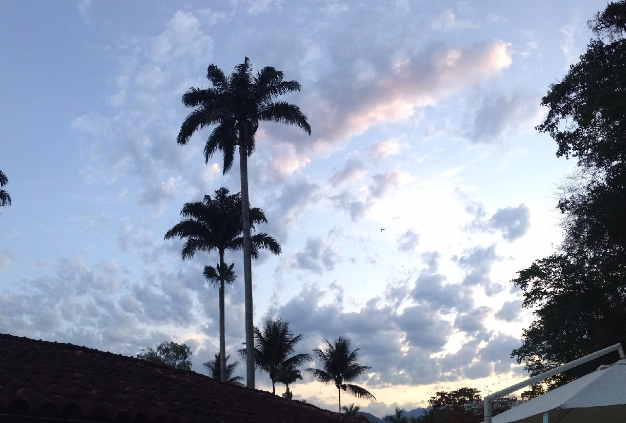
pixel 5 198
pixel 215 224
pixel 215 370
pixel 339 366
pixel 464 405
pixel 234 106
pixel 168 354
pixel 274 347
pixel 579 293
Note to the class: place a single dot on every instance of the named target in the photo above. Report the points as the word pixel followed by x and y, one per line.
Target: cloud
pixel 382 150
pixel 359 202
pixel 510 311
pixel 477 262
pixel 471 322
pixel 340 110
pixel 448 21
pixel 408 241
pixel 512 221
pixel 429 289
pixel 353 170
pixel 6 258
pixel 501 115
pixel 318 256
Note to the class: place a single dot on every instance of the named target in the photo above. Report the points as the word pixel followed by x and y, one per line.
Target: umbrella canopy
pixel 597 397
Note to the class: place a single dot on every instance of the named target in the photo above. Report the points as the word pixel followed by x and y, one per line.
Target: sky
pixel 421 191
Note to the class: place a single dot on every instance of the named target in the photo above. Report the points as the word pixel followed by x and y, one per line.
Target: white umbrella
pixel 597 397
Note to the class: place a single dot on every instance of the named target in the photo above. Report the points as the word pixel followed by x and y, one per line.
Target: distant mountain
pixel 418 412
pixel 372 418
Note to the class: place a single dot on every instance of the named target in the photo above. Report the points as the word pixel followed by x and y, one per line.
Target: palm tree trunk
pixel 247 258
pixel 222 324
pixel 339 389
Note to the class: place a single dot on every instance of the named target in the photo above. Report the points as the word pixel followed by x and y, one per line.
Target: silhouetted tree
pixel 215 224
pixel 168 354
pixel 339 366
pixel 288 374
pixel 215 370
pixel 578 294
pixel 274 347
pixel 5 198
pixel 234 106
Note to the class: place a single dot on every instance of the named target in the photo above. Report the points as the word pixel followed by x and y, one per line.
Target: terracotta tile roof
pixel 54 380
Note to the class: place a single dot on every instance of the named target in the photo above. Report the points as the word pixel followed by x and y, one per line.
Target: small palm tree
pixel 351 410
pixel 234 106
pixel 340 366
pixel 274 347
pixel 215 370
pixel 288 375
pixel 215 224
pixel 5 198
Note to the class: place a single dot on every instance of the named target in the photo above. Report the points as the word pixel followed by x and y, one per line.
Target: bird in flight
pixel 381 230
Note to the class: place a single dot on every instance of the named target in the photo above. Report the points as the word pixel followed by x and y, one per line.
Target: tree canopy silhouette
pixel 215 371
pixel 339 366
pixel 5 198
pixel 579 292
pixel 274 347
pixel 235 105
pixel 215 225
pixel 168 354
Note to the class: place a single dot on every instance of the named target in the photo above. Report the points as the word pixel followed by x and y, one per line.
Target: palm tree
pixel 340 366
pixel 215 370
pixel 235 105
pixel 288 375
pixel 215 224
pixel 5 198
pixel 352 410
pixel 273 349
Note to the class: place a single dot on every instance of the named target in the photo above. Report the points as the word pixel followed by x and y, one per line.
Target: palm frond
pixel 195 97
pixel 285 113
pixel 359 392
pixel 217 77
pixel 321 375
pixel 3 179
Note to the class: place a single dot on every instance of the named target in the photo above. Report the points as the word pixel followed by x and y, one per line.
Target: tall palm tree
pixel 215 224
pixel 340 366
pixel 5 198
pixel 215 369
pixel 234 106
pixel 273 349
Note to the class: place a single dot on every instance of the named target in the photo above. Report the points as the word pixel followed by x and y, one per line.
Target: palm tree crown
pixel 5 198
pixel 215 370
pixel 339 366
pixel 274 347
pixel 215 224
pixel 234 106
